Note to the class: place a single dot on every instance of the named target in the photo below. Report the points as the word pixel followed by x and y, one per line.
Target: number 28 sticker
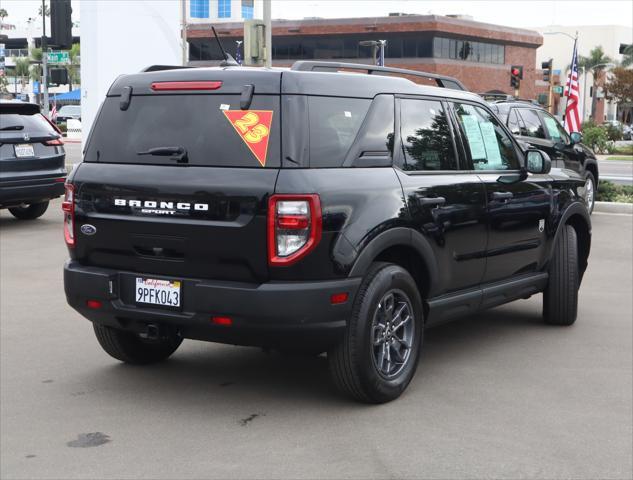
pixel 253 126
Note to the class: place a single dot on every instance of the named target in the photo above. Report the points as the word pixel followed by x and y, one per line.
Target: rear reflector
pixel 224 321
pixel 339 298
pixel 164 86
pixel 94 304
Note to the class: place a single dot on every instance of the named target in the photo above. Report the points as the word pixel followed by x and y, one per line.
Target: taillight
pixel 68 207
pixel 54 142
pixel 294 227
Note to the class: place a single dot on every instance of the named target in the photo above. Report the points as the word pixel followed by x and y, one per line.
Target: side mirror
pixel 576 137
pixel 537 161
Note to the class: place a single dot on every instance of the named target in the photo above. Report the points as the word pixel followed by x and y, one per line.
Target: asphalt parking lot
pixel 499 395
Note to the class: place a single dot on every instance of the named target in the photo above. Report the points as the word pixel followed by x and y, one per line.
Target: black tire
pixel 31 212
pixel 591 202
pixel 352 362
pixel 560 298
pixel 130 348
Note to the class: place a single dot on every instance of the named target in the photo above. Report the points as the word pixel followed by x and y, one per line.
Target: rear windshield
pixel 33 124
pixel 212 129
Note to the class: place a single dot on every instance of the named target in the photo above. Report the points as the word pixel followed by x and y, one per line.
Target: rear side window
pixel 333 124
pixel 426 137
pixel 533 126
pixel 211 128
pixel 514 123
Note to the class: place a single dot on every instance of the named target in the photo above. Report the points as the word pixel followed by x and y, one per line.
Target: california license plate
pixel 24 150
pixel 165 293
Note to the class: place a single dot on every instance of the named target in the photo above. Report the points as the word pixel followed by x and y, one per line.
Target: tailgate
pixel 198 222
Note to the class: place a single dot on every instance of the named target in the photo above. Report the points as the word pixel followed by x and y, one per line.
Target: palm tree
pixel 36 69
pixel 596 62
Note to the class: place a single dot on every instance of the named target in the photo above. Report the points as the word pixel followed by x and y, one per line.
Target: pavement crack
pixel 245 421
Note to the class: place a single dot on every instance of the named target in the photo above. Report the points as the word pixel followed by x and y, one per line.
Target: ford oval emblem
pixel 88 229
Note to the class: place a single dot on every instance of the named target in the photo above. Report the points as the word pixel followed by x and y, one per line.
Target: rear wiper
pixel 13 127
pixel 176 153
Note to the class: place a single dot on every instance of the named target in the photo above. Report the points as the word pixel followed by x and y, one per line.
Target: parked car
pixel 32 160
pixel 312 211
pixel 68 111
pixel 627 132
pixel 536 127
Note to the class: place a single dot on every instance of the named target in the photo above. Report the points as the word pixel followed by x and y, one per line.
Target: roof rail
pixel 158 68
pixel 441 80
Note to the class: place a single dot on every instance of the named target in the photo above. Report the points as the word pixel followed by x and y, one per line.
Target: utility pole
pixel 268 29
pixel 183 32
pixel 44 86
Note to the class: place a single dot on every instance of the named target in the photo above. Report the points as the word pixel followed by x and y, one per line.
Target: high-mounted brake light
pixel 68 207
pixel 193 85
pixel 294 227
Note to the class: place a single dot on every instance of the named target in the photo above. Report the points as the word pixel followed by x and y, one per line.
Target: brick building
pixel 478 54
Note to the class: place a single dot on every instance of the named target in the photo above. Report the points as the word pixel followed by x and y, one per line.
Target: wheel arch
pixel 578 217
pixel 592 167
pixel 405 247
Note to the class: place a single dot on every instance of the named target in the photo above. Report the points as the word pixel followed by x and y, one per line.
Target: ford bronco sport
pixel 311 209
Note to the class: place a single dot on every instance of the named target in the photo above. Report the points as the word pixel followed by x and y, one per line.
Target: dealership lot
pixel 496 395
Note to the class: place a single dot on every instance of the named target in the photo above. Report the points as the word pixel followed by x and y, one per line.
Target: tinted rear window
pixel 211 128
pixel 34 124
pixel 334 124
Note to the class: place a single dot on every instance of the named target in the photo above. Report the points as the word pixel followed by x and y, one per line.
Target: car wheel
pixel 590 191
pixel 128 347
pixel 29 212
pixel 379 353
pixel 560 298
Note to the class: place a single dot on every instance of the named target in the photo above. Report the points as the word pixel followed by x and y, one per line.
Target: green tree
pixel 47 11
pixel 36 69
pixel 75 61
pixel 595 63
pixel 3 14
pixel 22 70
pixel 620 85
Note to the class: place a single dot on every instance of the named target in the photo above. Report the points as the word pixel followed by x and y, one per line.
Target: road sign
pixel 58 57
pixel 557 89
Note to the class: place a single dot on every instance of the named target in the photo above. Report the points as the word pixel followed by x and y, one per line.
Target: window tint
pixel 555 129
pixel 513 122
pixel 491 148
pixel 533 127
pixel 333 123
pixel 198 123
pixel 426 137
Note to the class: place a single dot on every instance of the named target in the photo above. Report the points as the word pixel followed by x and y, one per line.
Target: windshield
pixel 211 129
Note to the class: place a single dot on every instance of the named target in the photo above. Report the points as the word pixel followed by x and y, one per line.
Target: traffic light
pixel 516 74
pixel 59 76
pixel 547 70
pixel 61 24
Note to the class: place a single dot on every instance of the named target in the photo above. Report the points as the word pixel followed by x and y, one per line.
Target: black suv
pixel 32 160
pixel 310 211
pixel 536 127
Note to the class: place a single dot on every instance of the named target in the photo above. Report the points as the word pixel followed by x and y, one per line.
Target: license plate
pixel 24 150
pixel 165 293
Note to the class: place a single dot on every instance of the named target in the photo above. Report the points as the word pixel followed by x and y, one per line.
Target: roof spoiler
pixel 158 68
pixel 442 81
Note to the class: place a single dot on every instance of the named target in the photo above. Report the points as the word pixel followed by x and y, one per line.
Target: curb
pixel 613 207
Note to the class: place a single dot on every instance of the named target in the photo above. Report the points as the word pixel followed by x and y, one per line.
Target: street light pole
pixel 268 30
pixel 44 86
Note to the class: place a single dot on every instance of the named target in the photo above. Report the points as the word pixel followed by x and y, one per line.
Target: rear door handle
pixel 426 201
pixel 502 195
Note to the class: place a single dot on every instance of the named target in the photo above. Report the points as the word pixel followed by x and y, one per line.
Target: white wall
pixel 123 36
pixel 559 47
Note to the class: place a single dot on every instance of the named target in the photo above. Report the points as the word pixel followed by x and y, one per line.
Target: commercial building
pixel 478 54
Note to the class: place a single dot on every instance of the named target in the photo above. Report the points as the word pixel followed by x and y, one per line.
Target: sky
pixel 514 13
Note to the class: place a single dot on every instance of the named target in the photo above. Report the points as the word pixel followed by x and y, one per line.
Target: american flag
pixel 54 111
pixel 572 92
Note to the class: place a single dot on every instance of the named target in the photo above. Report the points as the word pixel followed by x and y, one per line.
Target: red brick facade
pixel 520 45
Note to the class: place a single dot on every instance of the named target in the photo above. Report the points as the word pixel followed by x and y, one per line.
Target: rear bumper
pixel 31 190
pixel 267 314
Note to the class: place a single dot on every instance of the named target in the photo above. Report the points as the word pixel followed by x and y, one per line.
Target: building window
pixel 224 8
pixel 248 6
pixel 481 52
pixel 199 8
